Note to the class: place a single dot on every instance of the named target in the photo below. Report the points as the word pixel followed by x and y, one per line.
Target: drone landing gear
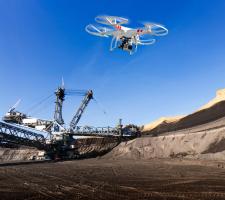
pixel 114 43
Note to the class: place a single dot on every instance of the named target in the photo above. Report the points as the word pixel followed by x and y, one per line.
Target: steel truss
pixel 96 131
pixel 16 134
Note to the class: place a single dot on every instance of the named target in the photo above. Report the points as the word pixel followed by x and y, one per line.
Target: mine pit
pixel 172 158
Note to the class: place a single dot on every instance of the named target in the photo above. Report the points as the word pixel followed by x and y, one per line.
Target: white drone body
pixel 123 37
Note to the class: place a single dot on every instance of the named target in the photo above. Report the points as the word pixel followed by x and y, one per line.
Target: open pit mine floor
pixel 102 178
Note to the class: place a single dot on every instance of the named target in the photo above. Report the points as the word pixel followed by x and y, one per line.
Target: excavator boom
pixel 88 96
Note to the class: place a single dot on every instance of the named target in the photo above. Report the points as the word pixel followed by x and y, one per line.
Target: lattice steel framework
pixel 20 135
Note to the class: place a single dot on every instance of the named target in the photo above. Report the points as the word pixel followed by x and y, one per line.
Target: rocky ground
pixel 109 179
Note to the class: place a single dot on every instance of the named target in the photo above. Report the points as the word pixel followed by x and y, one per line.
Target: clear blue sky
pixel 43 40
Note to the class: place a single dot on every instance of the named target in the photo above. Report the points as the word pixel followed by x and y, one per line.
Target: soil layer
pixel 114 179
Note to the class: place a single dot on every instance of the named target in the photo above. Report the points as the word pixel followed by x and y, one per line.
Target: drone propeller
pixel 97 30
pixel 156 29
pixel 15 105
pixel 146 42
pixel 111 20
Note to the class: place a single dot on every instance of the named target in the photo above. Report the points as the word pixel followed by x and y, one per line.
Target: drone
pixel 123 37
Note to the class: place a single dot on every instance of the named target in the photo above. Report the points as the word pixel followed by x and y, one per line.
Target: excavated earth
pixel 97 179
pixel 86 147
pixel 200 142
pixel 213 110
pixel 182 165
pixel 179 158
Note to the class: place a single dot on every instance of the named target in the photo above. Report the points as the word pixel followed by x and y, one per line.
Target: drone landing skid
pixel 114 43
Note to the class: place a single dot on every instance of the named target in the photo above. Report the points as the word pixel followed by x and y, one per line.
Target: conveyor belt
pixel 16 134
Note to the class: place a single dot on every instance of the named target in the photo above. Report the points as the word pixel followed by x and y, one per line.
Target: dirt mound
pixel 8 154
pixel 160 121
pixel 200 142
pixel 220 96
pixel 95 146
pixel 213 110
pixel 84 147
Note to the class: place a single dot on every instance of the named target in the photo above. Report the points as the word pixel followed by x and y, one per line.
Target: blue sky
pixel 43 40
